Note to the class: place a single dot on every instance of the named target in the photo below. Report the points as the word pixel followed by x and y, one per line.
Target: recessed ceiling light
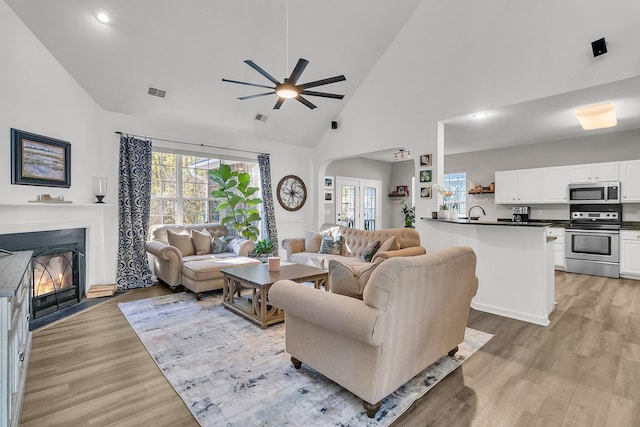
pixel 479 116
pixel 102 16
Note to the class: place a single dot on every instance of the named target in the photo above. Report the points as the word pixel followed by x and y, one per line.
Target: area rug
pixel 230 372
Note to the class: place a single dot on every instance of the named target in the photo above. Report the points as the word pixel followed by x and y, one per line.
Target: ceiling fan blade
pixel 323 94
pixel 279 103
pixel 297 71
pixel 330 80
pixel 305 102
pixel 248 84
pixel 256 96
pixel 261 71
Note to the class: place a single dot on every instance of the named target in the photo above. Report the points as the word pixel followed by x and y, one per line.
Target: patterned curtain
pixel 269 229
pixel 134 210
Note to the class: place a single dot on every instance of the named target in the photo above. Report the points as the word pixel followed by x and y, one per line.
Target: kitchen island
pixel 515 265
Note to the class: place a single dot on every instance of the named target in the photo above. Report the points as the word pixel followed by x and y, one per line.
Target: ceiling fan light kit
pixel 289 89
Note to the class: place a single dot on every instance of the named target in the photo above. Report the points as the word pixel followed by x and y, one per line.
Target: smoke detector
pixel 154 91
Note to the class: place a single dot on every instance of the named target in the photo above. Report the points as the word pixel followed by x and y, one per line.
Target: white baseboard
pixel 505 312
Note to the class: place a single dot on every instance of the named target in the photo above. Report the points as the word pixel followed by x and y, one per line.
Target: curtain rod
pixel 191 143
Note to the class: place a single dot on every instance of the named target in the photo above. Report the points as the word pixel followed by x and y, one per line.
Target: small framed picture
pixel 425 176
pixel 328 196
pixel 402 189
pixel 425 192
pixel 329 183
pixel 425 159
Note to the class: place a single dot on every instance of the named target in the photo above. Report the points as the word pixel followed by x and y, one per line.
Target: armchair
pixel 414 310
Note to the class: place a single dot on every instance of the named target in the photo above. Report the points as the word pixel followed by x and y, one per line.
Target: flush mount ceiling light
pixel 402 154
pixel 479 116
pixel 102 16
pixel 597 116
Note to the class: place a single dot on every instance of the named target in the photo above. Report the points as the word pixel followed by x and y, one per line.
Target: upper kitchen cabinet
pixel 554 185
pixel 595 172
pixel 630 181
pixel 519 186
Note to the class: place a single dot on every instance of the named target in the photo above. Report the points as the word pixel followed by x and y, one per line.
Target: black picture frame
pixel 39 160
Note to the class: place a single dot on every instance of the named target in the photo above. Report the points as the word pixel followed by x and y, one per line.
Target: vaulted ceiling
pixel 187 47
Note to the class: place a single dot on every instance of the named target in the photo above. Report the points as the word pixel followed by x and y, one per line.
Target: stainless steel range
pixel 593 240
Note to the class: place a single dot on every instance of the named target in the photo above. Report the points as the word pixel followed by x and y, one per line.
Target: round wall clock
pixel 291 192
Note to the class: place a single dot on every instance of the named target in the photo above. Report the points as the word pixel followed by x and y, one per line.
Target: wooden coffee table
pixel 259 279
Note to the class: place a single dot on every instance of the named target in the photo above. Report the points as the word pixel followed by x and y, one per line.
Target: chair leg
pixel 199 296
pixel 296 363
pixel 371 409
pixel 453 352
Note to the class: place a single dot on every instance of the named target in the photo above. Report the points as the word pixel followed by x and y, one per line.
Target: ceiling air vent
pixel 261 117
pixel 160 93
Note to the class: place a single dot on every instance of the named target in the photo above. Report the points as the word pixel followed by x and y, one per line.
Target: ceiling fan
pixel 289 89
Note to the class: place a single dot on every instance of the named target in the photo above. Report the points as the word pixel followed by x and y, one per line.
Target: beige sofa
pixel 305 250
pixel 181 265
pixel 414 310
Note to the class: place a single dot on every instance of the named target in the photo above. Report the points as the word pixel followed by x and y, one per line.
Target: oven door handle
pixel 580 230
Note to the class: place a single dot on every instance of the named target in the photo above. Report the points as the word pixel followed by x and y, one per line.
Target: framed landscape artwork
pixel 328 183
pixel 425 176
pixel 425 192
pixel 39 160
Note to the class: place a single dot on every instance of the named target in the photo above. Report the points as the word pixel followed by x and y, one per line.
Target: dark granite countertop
pixel 630 225
pixel 466 221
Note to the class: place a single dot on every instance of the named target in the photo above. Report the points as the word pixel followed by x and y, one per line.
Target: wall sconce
pixel 99 188
pixel 402 154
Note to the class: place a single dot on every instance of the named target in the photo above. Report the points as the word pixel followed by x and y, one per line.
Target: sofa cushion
pixel 349 280
pixel 218 245
pixel 208 269
pixel 201 241
pixel 312 241
pixel 182 242
pixel 330 245
pixel 370 250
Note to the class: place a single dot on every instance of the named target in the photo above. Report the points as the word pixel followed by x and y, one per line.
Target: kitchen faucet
pixel 475 206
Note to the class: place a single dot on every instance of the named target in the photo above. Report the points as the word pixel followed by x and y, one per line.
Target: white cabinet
pixel 15 338
pixel 630 252
pixel 554 185
pixel 519 186
pixel 630 181
pixel 595 172
pixel 558 246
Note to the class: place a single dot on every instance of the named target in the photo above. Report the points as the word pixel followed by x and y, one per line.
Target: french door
pixel 358 203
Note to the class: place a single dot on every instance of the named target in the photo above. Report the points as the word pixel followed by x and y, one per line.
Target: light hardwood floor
pixel 582 370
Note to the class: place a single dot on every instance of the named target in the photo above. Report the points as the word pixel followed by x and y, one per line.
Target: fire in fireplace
pixel 55 279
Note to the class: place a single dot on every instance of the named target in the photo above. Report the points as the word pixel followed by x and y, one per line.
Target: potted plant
pixel 409 215
pixel 263 248
pixel 238 200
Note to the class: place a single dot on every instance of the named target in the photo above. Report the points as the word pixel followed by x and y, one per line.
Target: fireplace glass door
pixel 55 281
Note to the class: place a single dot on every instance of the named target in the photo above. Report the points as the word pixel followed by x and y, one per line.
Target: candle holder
pixel 99 188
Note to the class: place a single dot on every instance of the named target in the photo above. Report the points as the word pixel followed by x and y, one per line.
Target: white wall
pixel 481 166
pixel 39 96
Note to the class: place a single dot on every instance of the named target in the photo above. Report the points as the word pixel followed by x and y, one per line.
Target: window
pixel 457 182
pixel 181 188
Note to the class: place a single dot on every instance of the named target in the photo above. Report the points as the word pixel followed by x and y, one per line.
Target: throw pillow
pixel 218 245
pixel 370 250
pixel 331 246
pixel 312 241
pixel 201 241
pixel 181 241
pixel 349 281
pixel 391 244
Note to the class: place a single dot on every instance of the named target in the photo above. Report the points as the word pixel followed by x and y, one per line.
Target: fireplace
pixel 58 267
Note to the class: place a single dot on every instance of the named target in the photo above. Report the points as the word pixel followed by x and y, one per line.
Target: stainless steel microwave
pixel 596 192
